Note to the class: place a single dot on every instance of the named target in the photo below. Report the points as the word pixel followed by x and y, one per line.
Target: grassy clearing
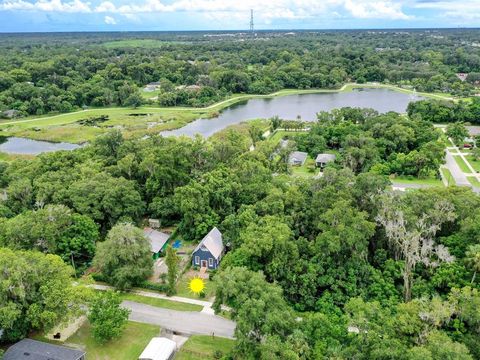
pixel 143 43
pixel 204 347
pixel 474 181
pixel 448 176
pixel 128 347
pixel 307 170
pixel 11 157
pixel 463 165
pixel 431 181
pixel 166 304
pixel 184 291
pixel 475 163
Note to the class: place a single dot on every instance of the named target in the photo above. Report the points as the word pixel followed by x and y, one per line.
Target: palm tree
pixel 473 259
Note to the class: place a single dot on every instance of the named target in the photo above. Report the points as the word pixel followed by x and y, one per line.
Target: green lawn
pixel 167 304
pixel 463 165
pixel 184 291
pixel 431 181
pixel 475 163
pixel 306 169
pixel 448 175
pixel 204 347
pixel 474 181
pixel 128 347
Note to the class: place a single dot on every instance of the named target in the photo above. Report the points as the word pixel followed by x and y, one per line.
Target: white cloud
pixel 266 12
pixel 110 20
pixel 467 10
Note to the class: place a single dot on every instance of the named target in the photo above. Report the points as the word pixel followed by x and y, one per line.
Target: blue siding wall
pixel 204 255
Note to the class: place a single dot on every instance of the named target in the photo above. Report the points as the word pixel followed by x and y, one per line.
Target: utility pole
pixel 252 31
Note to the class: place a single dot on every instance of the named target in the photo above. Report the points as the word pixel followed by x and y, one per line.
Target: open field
pixel 166 304
pixel 204 347
pixel 146 119
pixel 475 163
pixel 463 165
pixel 136 335
pixel 431 181
pixel 474 181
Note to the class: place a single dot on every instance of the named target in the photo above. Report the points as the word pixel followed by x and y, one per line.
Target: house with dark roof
pixel 297 158
pixel 323 159
pixel 209 252
pixel 158 241
pixel 28 349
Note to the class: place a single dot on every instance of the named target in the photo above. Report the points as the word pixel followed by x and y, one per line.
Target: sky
pixel 175 15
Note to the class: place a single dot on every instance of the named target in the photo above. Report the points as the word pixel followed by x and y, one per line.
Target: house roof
pixel 473 130
pixel 156 83
pixel 213 242
pixel 157 239
pixel 297 156
pixel 325 158
pixel 28 349
pixel 159 348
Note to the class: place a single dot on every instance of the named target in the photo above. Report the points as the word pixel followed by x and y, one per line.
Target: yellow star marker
pixel 196 285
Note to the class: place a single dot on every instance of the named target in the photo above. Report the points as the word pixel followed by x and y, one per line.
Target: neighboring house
pixel 323 159
pixel 297 158
pixel 28 349
pixel 462 76
pixel 158 241
pixel 159 348
pixel 153 86
pixel 209 252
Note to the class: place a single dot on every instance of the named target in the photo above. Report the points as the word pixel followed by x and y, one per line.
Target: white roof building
pixel 159 348
pixel 157 239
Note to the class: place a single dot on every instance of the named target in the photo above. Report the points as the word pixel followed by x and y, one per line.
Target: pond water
pixel 304 105
pixel 15 145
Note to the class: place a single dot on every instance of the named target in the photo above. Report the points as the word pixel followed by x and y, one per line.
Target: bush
pixel 153 286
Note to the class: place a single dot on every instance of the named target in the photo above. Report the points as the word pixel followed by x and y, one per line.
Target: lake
pixel 305 105
pixel 15 145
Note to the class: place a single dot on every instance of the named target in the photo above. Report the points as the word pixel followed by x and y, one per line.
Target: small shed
pixel 158 241
pixel 323 159
pixel 297 158
pixel 28 349
pixel 11 114
pixel 159 348
pixel 209 252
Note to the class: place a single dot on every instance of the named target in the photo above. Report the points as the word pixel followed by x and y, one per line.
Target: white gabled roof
pixel 157 239
pixel 325 158
pixel 159 348
pixel 213 242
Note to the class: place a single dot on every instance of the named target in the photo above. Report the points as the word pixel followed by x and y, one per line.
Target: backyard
pixel 204 347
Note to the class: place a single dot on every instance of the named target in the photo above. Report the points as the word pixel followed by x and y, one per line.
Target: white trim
pixel 210 262
pixel 197 260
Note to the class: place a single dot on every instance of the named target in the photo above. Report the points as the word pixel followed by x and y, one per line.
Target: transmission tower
pixel 252 31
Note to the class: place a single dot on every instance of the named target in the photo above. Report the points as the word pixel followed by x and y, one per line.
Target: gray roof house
pixel 297 158
pixel 28 349
pixel 209 252
pixel 158 240
pixel 323 159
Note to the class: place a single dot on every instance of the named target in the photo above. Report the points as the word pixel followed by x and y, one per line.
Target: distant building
pixel 209 252
pixel 159 348
pixel 323 159
pixel 153 86
pixel 462 76
pixel 158 241
pixel 28 349
pixel 297 158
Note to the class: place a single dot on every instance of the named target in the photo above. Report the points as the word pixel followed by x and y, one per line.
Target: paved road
pixel 457 173
pixel 185 322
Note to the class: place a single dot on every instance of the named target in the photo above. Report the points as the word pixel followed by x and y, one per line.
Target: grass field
pixel 183 290
pixel 431 181
pixel 306 169
pixel 463 165
pixel 474 181
pixel 128 347
pixel 448 176
pixel 167 304
pixel 204 347
pixel 475 163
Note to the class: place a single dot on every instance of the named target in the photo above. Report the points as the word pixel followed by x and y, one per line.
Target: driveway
pixel 457 173
pixel 185 322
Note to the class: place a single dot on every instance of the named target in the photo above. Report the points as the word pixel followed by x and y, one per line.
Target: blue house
pixel 209 252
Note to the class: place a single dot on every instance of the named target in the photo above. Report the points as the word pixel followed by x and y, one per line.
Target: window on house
pixel 210 262
pixel 197 260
